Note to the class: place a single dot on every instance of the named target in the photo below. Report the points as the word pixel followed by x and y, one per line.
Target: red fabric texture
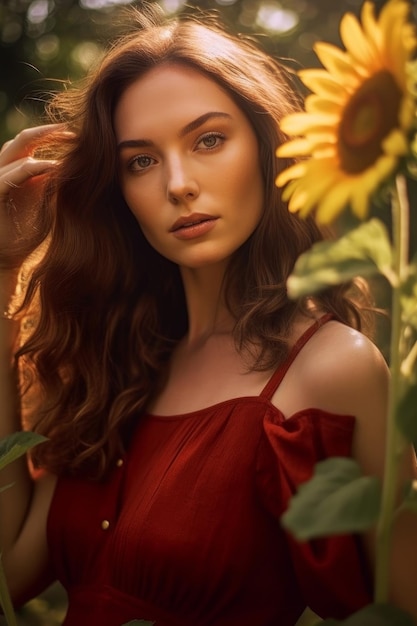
pixel 194 534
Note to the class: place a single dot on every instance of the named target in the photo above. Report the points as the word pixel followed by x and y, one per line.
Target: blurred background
pixel 46 44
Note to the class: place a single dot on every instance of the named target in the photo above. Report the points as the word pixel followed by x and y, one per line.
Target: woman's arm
pixel 342 372
pixel 24 505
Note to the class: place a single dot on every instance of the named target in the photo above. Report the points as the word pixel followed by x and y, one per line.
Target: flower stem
pixel 395 441
pixel 5 599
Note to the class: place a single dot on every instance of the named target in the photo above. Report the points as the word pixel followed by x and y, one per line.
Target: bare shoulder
pixel 339 370
pixel 340 364
pixel 342 372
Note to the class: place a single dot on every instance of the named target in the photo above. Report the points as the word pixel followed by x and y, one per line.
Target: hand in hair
pixel 23 176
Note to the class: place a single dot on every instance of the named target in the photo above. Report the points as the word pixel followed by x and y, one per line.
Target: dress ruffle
pixel 286 458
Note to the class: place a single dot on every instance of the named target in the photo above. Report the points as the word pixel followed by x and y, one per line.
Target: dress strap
pixel 276 378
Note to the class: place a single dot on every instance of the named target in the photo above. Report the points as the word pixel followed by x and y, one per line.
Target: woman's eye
pixel 210 141
pixel 140 163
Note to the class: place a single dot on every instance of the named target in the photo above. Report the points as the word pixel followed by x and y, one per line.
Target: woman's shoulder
pixel 338 370
pixel 340 351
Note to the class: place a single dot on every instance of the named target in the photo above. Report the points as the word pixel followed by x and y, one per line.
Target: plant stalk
pixel 395 441
pixel 5 600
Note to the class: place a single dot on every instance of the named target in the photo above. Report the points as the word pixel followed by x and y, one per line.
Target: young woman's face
pixel 188 165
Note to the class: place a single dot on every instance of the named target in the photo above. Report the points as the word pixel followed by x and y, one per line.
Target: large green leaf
pixel 363 251
pixel 336 500
pixel 374 615
pixel 406 414
pixel 16 445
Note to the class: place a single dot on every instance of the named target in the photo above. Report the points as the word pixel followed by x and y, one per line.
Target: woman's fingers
pixel 18 172
pixel 22 144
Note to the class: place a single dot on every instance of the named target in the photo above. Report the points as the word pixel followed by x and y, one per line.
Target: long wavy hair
pixel 111 309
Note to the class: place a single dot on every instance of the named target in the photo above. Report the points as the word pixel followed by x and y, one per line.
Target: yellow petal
pixel 384 167
pixel 297 147
pixel 318 104
pixel 393 11
pixel 370 27
pixel 337 62
pixel 294 171
pixel 360 48
pixel 308 195
pixel 304 146
pixel 300 123
pixel 319 137
pixel 290 189
pixel 323 84
pixel 395 143
pixel 407 113
pixel 334 202
pixel 360 201
pixel 398 37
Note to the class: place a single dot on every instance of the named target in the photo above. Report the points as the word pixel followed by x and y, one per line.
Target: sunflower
pixel 358 120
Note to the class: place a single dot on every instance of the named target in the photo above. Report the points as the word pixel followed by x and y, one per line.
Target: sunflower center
pixel 370 114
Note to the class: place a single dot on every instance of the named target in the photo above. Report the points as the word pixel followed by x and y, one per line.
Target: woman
pixel 173 376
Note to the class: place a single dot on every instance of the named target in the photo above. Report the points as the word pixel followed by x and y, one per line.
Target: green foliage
pixel 410 499
pixel 337 500
pixel 5 600
pixel 408 296
pixel 38 52
pixel 13 447
pixel 16 445
pixel 373 615
pixel 406 415
pixel 363 251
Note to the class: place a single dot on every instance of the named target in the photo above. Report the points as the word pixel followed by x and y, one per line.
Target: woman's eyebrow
pixel 188 128
pixel 201 120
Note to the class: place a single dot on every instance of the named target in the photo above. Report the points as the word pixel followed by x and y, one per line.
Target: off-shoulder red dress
pixel 186 531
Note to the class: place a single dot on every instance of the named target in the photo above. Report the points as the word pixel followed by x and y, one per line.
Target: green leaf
pixel 336 500
pixel 374 615
pixel 363 251
pixel 406 414
pixel 16 445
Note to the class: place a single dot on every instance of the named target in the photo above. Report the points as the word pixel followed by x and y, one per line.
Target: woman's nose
pixel 181 183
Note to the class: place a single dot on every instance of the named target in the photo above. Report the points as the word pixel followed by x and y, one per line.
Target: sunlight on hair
pixel 274 18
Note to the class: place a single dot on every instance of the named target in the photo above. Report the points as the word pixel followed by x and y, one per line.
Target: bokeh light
pixel 47 47
pixel 85 54
pixel 276 19
pixel 171 6
pixel 101 4
pixel 39 10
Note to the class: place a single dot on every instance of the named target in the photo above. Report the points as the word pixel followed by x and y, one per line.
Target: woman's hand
pixel 22 182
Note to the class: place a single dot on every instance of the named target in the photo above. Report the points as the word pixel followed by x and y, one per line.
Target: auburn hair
pixel 110 308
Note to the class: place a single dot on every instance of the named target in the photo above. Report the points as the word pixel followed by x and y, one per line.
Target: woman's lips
pixel 193 226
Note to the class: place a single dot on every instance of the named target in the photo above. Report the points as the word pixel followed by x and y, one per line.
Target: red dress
pixel 186 530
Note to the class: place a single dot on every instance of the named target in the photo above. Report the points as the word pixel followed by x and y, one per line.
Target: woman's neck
pixel 207 312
